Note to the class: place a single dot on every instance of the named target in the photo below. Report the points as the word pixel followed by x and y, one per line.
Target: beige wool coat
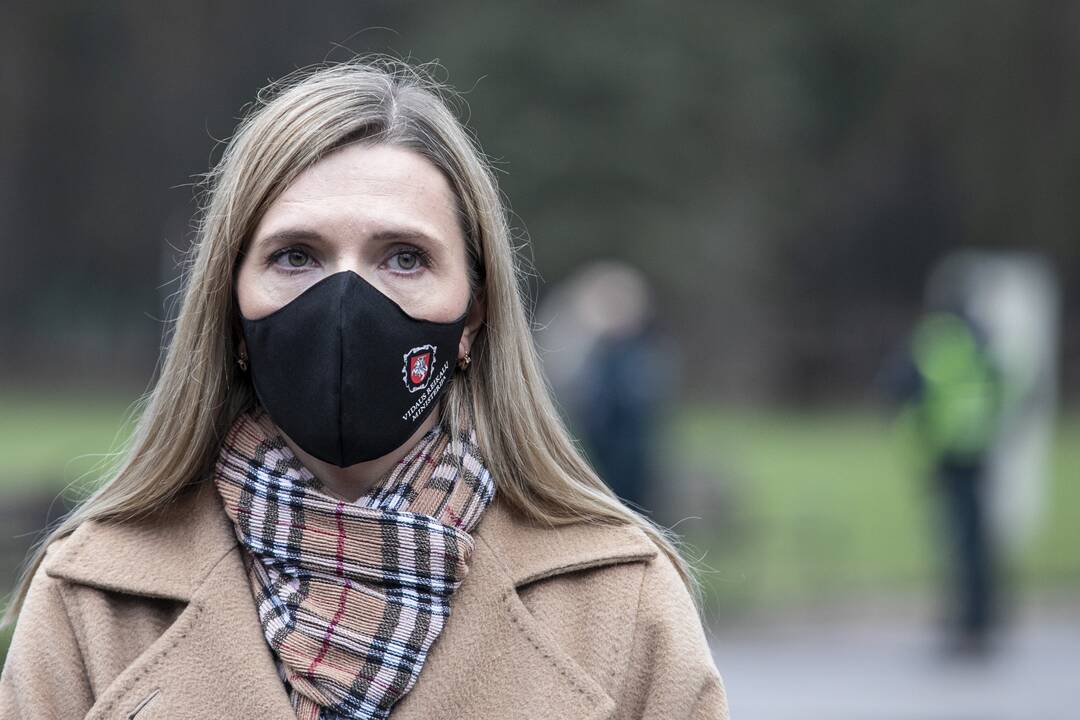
pixel 155 619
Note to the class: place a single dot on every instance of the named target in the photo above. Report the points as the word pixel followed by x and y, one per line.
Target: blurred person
pixel 349 437
pixel 611 371
pixel 954 392
pixel 1006 310
pixel 957 408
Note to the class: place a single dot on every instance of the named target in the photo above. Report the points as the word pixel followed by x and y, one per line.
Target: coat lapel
pixel 494 660
pixel 214 662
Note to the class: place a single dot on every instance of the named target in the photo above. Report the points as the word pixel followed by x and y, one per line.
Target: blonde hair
pixel 293 123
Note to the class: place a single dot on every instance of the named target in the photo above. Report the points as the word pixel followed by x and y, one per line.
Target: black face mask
pixel 345 372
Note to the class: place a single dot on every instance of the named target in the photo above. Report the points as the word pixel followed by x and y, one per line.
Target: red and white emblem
pixel 418 364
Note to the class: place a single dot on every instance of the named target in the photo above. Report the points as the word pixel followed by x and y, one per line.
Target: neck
pixel 350 483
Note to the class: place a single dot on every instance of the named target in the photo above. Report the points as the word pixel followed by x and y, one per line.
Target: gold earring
pixel 465 362
pixel 242 361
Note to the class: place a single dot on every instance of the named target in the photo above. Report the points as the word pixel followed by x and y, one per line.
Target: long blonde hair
pixel 293 123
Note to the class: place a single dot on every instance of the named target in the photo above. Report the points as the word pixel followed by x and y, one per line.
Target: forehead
pixel 365 186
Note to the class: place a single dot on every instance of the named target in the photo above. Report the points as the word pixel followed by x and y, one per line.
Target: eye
pixel 296 258
pixel 407 260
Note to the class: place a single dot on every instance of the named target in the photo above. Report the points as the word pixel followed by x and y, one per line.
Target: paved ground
pixel 884 663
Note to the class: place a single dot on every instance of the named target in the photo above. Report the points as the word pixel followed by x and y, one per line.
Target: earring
pixel 242 361
pixel 464 362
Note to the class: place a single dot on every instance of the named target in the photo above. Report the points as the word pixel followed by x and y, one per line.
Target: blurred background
pixel 803 275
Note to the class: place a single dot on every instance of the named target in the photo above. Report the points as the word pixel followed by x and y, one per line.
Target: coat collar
pixel 482 661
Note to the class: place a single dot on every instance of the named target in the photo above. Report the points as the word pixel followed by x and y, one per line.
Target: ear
pixel 473 323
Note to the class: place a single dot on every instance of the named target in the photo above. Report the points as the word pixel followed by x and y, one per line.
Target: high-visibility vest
pixel 960 400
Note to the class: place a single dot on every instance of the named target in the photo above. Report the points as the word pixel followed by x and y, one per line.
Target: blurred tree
pixel 785 173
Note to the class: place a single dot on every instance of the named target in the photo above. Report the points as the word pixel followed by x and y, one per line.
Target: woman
pixel 349 439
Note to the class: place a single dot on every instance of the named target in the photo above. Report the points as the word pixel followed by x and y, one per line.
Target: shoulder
pixel 615 602
pixel 46 637
pixel 593 558
pixel 671 669
pixel 165 554
pixel 45 609
pixel 586 587
pixel 46 596
pixel 531 551
pixel 635 595
pixel 43 594
pixel 103 594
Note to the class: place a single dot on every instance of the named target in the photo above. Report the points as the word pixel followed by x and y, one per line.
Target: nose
pixel 357 268
pixel 352 265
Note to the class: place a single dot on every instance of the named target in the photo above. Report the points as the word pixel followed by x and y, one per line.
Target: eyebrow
pixel 301 234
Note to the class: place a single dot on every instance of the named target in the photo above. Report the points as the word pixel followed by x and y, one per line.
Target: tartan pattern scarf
pixel 351 596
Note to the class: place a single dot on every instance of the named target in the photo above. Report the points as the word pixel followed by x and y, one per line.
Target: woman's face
pixel 384 212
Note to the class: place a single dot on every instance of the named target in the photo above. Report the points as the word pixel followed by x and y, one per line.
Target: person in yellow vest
pixel 955 397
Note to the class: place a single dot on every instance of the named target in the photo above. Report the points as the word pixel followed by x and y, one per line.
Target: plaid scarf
pixel 351 596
